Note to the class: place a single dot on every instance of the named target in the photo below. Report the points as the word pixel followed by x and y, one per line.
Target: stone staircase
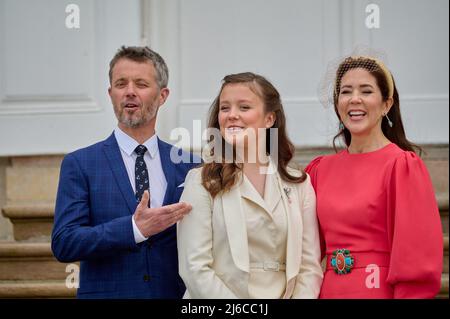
pixel 443 208
pixel 27 266
pixel 30 270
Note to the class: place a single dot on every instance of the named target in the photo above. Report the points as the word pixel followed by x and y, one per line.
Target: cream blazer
pixel 213 247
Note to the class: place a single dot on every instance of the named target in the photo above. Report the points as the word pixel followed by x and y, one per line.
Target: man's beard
pixel 133 120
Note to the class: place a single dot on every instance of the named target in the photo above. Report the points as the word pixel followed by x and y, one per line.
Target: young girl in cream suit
pixel 252 231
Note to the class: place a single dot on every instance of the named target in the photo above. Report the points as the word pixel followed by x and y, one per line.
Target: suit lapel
pixel 236 227
pixel 115 161
pixel 168 169
pixel 272 192
pixel 249 192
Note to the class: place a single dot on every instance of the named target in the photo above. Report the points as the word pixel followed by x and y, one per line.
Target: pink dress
pixel 381 207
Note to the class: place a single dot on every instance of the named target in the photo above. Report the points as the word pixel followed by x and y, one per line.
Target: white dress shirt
pixel 157 179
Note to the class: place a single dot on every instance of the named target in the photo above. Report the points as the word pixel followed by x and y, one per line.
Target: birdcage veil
pixel 363 56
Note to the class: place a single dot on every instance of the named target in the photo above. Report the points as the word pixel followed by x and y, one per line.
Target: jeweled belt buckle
pixel 342 261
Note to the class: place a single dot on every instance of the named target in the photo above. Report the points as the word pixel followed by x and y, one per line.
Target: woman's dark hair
pixel 396 133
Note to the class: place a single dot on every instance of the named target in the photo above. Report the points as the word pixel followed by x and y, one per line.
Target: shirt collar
pixel 128 144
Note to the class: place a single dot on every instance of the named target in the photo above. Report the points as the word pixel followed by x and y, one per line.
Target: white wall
pixel 291 43
pixel 53 80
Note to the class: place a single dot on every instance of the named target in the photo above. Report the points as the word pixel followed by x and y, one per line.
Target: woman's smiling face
pixel 360 103
pixel 242 111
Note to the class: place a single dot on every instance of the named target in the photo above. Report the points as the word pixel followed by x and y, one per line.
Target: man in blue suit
pixel 117 202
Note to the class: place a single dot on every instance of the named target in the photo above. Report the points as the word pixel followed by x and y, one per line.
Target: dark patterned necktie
pixel 141 173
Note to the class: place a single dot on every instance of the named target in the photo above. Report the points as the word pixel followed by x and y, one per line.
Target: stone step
pixel 31 222
pixel 445 270
pixel 443 294
pixel 438 169
pixel 35 289
pixel 29 261
pixel 443 202
pixel 58 289
pixel 444 220
pixel 29 270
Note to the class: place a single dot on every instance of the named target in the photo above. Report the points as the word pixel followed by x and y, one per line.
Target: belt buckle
pixel 342 261
pixel 271 266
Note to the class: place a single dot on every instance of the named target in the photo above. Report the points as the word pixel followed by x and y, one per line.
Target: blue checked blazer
pixel 94 205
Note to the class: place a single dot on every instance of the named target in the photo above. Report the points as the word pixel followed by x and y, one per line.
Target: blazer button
pixel 146 278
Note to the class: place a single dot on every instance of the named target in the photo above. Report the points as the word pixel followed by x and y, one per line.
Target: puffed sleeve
pixel 414 230
pixel 313 170
pixel 194 242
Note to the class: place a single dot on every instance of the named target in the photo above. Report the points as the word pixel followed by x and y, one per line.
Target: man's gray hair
pixel 143 54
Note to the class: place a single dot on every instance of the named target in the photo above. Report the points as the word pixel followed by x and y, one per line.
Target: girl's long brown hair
pixel 221 176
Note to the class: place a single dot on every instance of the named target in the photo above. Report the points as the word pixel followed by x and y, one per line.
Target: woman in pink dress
pixel 379 221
